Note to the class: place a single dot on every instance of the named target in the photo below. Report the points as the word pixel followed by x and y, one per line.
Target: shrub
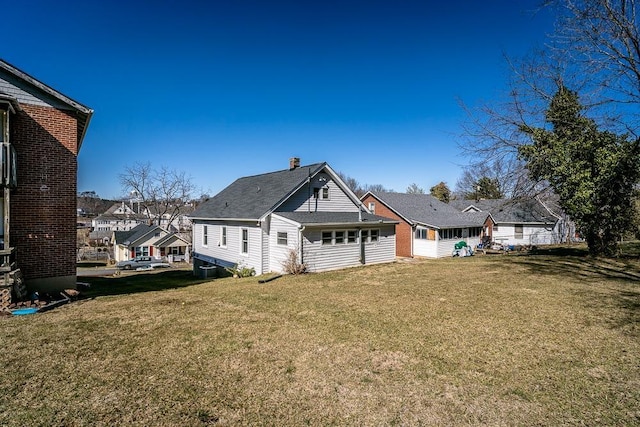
pixel 239 270
pixel 292 265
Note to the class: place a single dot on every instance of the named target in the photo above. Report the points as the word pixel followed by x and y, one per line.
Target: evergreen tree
pixel 441 192
pixel 593 172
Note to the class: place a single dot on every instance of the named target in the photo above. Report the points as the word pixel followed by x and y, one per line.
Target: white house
pixel 518 222
pixel 258 220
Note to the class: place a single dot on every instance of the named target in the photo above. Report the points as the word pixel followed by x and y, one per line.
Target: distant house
pixel 517 222
pixel 149 240
pixel 41 132
pixel 427 227
pixel 119 217
pixel 258 220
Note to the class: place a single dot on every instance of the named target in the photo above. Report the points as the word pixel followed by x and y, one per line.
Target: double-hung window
pixel 205 235
pixel 244 241
pixel 282 238
pixel 223 237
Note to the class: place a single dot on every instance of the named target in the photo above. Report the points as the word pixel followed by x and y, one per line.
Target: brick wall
pixel 43 206
pixel 403 230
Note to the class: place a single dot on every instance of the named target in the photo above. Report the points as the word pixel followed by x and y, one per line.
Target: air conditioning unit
pixel 9 176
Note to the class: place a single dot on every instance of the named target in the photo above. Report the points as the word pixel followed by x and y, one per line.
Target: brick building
pixel 41 131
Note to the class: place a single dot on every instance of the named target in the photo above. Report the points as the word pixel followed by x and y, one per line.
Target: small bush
pixel 292 265
pixel 239 270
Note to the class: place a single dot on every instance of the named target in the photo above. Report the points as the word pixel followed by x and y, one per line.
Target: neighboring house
pixel 149 240
pixel 119 217
pixel 180 222
pixel 517 222
pixel 427 227
pixel 258 221
pixel 41 132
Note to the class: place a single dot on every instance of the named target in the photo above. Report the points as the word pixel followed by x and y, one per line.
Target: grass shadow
pixel 577 263
pixel 140 282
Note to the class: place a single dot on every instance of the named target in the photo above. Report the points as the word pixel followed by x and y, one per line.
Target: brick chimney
pixel 294 162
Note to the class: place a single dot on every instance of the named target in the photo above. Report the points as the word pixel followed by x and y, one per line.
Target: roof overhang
pixel 84 113
pixel 12 103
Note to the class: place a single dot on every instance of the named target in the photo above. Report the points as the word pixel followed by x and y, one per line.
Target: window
pixel 142 251
pixel 421 233
pixel 223 237
pixel 365 236
pixel 244 237
pixel 374 235
pixel 352 236
pixel 372 207
pixel 205 236
pixel 518 234
pixel 339 237
pixel 327 237
pixel 495 227
pixel 321 193
pixel 282 238
pixel 325 193
pixel 451 233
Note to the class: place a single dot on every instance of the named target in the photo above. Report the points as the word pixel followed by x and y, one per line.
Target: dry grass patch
pixel 504 340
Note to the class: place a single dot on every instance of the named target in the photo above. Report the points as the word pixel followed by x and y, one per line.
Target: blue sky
pixel 224 89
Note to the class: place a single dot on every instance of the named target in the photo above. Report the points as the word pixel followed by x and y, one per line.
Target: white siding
pixel 303 200
pixel 278 253
pixel 231 253
pixel 319 257
pixel 425 248
pixel 531 235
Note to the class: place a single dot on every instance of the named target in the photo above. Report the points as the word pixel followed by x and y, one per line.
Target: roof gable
pixel 425 209
pixel 253 197
pixel 27 90
pixel 511 210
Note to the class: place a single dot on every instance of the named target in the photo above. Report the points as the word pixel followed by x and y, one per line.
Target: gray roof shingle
pixel 426 209
pixel 251 197
pixel 335 218
pixel 510 210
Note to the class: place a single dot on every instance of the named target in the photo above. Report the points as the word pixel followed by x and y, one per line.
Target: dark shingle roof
pixel 123 237
pixel 510 211
pixel 253 196
pixel 318 218
pixel 426 209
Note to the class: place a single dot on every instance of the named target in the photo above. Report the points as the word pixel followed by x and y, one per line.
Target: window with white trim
pixel 223 237
pixel 518 231
pixel 339 237
pixel 244 241
pixel 205 235
pixel 352 236
pixel 372 207
pixel 421 233
pixel 327 237
pixel 142 250
pixel 373 235
pixel 282 238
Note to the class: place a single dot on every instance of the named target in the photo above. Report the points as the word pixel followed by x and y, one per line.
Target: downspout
pixel 362 254
pixel 300 240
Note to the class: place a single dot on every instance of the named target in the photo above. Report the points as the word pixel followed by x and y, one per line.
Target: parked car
pixel 141 262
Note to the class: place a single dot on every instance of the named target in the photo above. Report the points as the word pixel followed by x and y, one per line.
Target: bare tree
pixel 414 189
pixel 160 193
pixel 595 50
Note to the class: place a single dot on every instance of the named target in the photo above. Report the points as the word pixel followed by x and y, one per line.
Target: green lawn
pixel 545 339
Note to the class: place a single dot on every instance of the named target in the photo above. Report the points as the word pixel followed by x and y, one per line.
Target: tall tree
pixel 414 189
pixel 596 50
pixel 593 172
pixel 160 193
pixel 441 192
